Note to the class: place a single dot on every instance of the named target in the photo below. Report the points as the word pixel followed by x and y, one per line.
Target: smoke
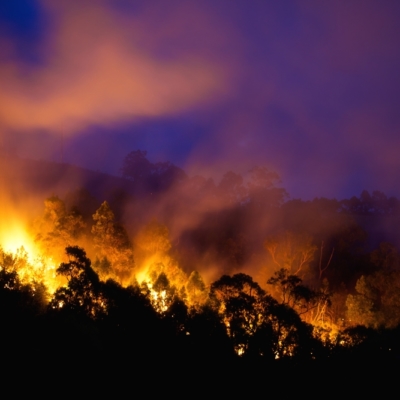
pixel 101 68
pixel 288 86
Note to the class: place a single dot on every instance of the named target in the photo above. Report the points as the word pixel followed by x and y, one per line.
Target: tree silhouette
pixel 83 293
pixel 238 299
pixel 136 166
pixel 312 304
pixel 156 177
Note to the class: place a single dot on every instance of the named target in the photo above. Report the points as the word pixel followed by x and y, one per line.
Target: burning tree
pixel 153 240
pixel 113 247
pixel 18 297
pixel 58 228
pixel 310 304
pixel 376 302
pixel 196 290
pixel 291 251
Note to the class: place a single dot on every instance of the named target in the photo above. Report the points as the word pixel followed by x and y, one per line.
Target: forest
pixel 155 265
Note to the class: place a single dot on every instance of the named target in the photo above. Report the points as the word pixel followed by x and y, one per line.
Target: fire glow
pixel 150 265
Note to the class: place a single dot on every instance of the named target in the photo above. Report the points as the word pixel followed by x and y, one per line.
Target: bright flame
pixel 13 236
pixel 31 265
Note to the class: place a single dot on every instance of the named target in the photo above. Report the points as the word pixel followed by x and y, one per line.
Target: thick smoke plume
pixel 99 68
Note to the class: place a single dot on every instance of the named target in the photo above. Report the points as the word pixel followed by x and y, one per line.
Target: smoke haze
pixel 307 89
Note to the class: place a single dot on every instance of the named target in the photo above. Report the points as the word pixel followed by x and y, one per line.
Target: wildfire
pixel 25 257
pixel 159 275
pixel 13 236
pixel 163 280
